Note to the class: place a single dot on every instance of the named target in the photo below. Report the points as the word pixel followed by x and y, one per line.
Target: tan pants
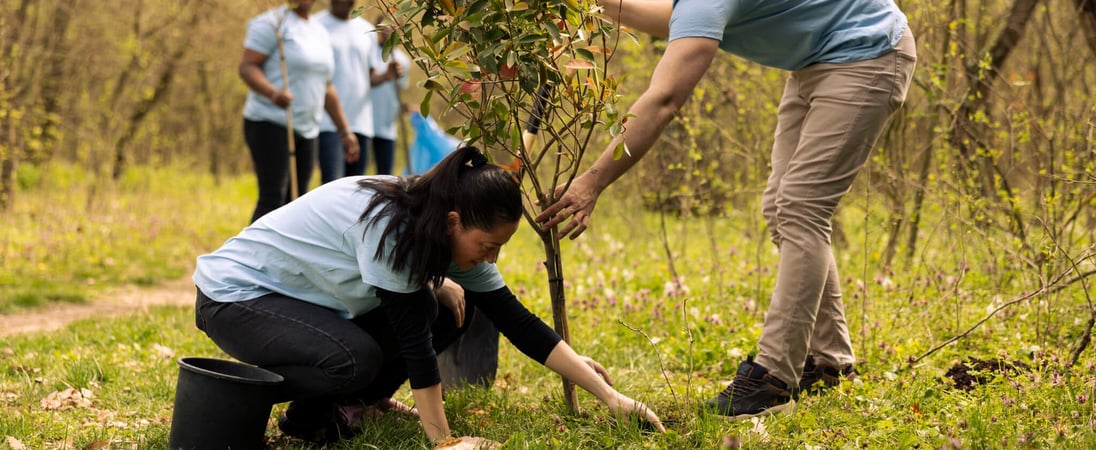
pixel 829 119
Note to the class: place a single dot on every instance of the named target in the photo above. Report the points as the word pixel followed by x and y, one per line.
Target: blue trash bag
pixel 430 146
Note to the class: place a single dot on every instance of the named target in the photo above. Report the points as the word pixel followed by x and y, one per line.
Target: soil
pixel 972 371
pixel 119 301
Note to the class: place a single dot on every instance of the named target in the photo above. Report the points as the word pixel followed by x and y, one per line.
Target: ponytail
pixel 484 195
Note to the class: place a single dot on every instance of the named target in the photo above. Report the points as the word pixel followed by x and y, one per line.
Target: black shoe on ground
pixel 322 426
pixel 753 393
pixel 819 377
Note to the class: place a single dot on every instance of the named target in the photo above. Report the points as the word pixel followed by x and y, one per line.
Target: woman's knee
pixel 354 368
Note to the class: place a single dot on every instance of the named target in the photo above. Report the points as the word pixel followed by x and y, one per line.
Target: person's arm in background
pixel 393 70
pixel 646 16
pixel 676 75
pixel 334 109
pixel 251 71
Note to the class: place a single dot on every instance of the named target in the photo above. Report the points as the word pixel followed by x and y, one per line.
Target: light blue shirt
pixel 386 98
pixel 310 63
pixel 355 45
pixel 792 34
pixel 315 249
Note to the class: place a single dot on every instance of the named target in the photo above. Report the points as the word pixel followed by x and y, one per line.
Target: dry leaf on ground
pixel 15 444
pixel 68 398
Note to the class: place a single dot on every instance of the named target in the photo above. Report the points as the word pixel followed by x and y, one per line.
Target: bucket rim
pixel 189 363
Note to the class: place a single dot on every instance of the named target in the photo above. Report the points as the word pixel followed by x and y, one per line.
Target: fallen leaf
pixel 15 444
pixel 68 398
pixel 96 445
pixel 163 351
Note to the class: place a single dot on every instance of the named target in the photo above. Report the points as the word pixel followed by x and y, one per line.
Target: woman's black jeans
pixel 323 357
pixel 269 146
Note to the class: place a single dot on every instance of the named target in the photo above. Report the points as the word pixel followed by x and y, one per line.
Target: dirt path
pixel 123 300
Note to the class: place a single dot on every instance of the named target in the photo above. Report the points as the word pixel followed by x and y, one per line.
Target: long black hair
pixel 483 194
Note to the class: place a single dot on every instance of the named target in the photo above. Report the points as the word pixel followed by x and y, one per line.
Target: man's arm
pixel 676 75
pixel 647 16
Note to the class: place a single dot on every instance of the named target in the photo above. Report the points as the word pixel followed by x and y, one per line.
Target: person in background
pixel 850 63
pixel 358 67
pixel 310 65
pixel 387 106
pixel 336 293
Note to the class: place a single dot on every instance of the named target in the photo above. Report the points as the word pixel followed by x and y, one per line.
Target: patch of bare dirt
pixel 120 301
pixel 973 371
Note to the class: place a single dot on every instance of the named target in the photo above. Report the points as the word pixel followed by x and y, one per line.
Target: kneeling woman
pixel 333 292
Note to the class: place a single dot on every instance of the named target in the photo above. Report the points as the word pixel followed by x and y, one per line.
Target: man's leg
pixel 849 105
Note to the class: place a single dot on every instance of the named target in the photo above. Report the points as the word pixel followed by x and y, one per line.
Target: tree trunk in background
pixel 146 105
pixel 966 135
pixel 134 121
pixel 1086 11
pixel 55 74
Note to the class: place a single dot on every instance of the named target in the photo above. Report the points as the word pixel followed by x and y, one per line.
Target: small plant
pixel 497 63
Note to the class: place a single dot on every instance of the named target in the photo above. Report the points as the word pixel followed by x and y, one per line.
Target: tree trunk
pixel 55 74
pixel 965 135
pixel 554 264
pixel 1086 11
pixel 7 179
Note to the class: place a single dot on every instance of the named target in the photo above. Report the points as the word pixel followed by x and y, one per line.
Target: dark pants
pixel 383 151
pixel 332 157
pixel 323 357
pixel 269 147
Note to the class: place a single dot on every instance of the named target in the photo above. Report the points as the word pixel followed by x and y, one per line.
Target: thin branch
pixel 1053 287
pixel 661 365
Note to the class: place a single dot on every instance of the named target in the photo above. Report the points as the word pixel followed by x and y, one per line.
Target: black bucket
pixel 221 405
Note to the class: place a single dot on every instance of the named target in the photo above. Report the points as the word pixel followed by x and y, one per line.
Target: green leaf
pixel 424 105
pixel 584 54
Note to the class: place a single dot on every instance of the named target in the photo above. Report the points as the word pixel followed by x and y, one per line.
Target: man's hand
pixel 577 203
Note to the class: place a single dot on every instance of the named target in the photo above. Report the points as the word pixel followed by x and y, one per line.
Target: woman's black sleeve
pixel 412 316
pixel 526 331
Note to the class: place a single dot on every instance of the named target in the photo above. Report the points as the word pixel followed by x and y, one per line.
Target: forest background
pixel 122 158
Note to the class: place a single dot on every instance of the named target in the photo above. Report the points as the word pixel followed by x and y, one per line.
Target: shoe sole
pixel 786 407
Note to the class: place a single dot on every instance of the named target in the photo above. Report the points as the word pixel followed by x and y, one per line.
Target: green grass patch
pixel 669 345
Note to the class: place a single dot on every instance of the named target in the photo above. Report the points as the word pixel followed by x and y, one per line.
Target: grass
pixel 623 313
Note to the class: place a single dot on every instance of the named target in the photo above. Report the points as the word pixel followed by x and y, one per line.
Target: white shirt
pixel 309 62
pixel 355 47
pixel 316 250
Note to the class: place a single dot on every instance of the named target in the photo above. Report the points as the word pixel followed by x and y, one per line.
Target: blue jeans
pixel 323 357
pixel 332 157
pixel 383 151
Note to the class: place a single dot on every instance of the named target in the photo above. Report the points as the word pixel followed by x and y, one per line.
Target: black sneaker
pixel 320 426
pixel 819 377
pixel 753 393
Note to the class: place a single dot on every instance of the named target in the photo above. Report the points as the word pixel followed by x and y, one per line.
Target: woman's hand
pixel 451 295
pixel 350 143
pixel 380 407
pixel 598 368
pixel 468 443
pixel 625 408
pixel 281 97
